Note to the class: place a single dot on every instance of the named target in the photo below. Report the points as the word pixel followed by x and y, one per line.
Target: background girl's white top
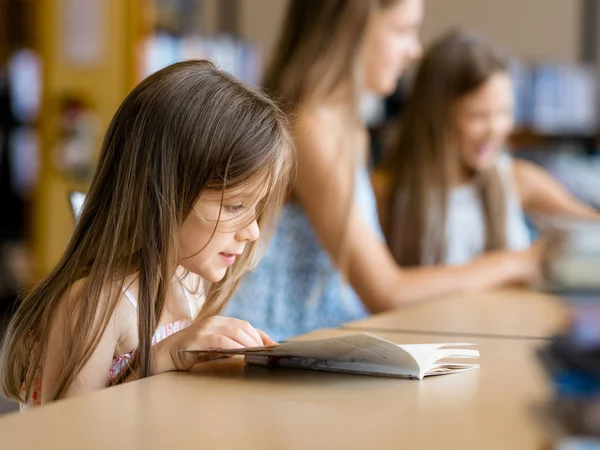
pixel 465 224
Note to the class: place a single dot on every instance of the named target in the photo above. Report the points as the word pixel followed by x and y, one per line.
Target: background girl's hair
pixel 183 130
pixel 420 160
pixel 319 49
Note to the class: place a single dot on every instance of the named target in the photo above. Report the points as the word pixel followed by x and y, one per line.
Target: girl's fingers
pixel 239 336
pixel 266 340
pixel 219 321
pixel 250 330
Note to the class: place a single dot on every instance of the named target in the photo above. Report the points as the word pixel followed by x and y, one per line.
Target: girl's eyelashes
pixel 233 208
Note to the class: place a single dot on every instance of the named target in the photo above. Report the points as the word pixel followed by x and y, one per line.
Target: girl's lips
pixel 484 149
pixel 228 258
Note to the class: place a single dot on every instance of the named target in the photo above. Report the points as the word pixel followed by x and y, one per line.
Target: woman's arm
pixel 542 194
pixel 325 185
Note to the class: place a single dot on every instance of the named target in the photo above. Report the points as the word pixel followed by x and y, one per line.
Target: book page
pixel 445 369
pixel 427 355
pixel 360 348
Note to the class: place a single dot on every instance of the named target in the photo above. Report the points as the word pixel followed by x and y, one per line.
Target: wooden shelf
pixel 527 138
pixel 102 85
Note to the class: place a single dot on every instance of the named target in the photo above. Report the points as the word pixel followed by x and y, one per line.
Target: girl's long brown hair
pixel 420 160
pixel 183 130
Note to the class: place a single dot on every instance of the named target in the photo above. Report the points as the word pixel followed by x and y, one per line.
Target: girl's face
pixel 391 41
pixel 482 121
pixel 209 252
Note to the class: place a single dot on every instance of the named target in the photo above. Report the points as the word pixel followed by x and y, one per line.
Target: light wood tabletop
pixel 510 313
pixel 224 405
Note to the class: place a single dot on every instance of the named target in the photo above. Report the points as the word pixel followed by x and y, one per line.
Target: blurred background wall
pixel 536 29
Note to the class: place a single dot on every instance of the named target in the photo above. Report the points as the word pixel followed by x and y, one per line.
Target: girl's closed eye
pixel 234 208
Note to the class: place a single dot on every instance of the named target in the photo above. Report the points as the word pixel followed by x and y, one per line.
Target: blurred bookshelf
pixel 556 104
pixel 557 123
pixel 20 85
pixel 201 29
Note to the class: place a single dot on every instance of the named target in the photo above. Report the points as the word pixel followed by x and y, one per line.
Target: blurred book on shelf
pixel 235 56
pixel 556 100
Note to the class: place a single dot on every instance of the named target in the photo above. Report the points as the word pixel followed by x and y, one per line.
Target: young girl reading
pixel 190 180
pixel 451 192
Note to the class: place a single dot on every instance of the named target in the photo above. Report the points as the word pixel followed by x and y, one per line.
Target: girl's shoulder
pixel 124 315
pixel 324 138
pixel 320 122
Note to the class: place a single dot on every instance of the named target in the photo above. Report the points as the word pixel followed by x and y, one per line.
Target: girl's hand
pixel 553 247
pixel 526 266
pixel 213 333
pixel 537 259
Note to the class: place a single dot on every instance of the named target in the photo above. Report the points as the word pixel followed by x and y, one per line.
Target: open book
pixel 361 354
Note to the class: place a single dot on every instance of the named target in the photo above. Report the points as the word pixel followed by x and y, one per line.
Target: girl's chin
pixel 481 163
pixel 212 275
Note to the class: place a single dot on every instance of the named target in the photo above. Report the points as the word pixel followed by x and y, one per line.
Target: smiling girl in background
pixel 450 192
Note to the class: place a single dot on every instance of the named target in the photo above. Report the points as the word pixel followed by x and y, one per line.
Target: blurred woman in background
pixel 331 52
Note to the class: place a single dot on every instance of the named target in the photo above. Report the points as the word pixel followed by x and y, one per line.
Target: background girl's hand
pixel 525 267
pixel 213 333
pixel 553 246
pixel 537 259
pixel 533 259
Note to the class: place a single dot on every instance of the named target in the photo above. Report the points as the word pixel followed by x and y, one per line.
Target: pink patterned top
pixel 119 361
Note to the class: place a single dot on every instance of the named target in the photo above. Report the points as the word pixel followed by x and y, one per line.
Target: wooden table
pixel 504 313
pixel 225 405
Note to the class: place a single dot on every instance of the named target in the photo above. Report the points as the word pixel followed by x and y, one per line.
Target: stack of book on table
pixel 572 357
